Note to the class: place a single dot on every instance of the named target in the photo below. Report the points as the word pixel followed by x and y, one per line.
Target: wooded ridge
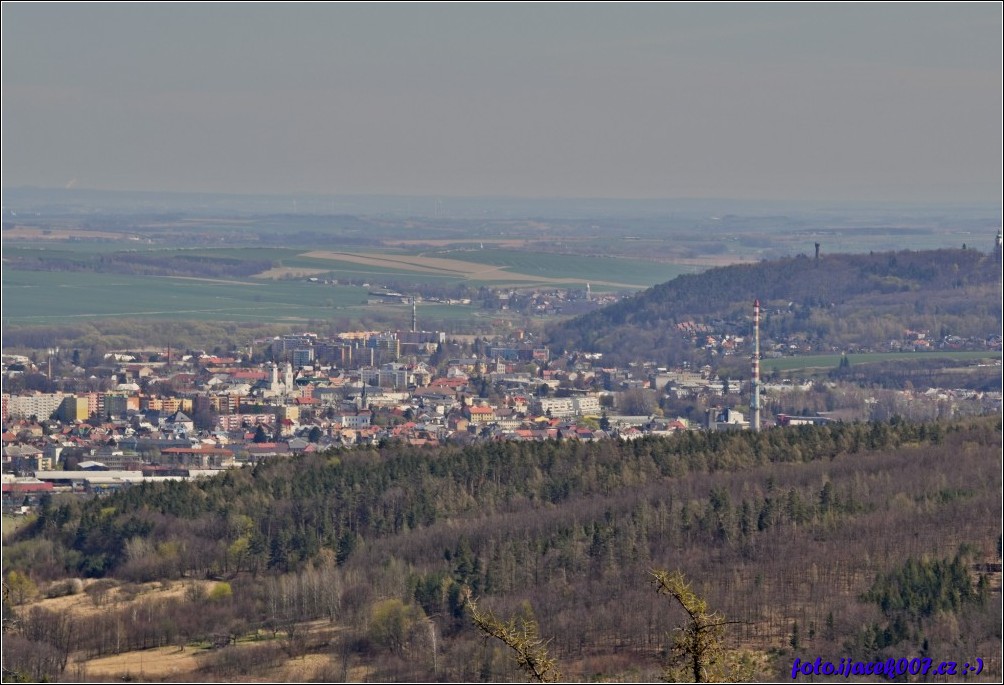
pixel 809 536
pixel 837 301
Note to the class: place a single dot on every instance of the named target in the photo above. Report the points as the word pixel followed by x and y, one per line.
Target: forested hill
pixel 842 300
pixel 862 541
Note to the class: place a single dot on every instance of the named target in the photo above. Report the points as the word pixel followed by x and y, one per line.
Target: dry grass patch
pixel 211 280
pixel 32 233
pixel 287 271
pixel 497 242
pixel 446 267
pixel 265 661
pixel 100 595
pixel 150 664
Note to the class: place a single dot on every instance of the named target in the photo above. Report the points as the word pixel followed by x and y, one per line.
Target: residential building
pixel 74 409
pixel 40 405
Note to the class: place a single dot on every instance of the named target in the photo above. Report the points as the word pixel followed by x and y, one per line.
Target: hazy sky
pixel 826 101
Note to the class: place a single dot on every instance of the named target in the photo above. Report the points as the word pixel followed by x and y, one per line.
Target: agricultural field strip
pixel 416 263
pixel 222 281
pixel 254 314
pixel 282 309
pixel 33 233
pixel 446 242
pixel 829 361
pixel 469 270
pixel 38 297
pixel 494 264
pixel 284 271
pixel 590 266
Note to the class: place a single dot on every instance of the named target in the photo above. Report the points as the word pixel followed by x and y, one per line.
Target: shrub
pixel 70 586
pixel 220 592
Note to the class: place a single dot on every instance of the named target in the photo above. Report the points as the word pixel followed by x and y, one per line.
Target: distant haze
pixel 816 102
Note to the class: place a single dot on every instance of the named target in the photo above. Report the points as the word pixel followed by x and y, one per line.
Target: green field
pixel 46 297
pixel 32 297
pixel 12 523
pixel 831 361
pixel 87 291
pixel 585 268
pixel 92 256
pixel 52 250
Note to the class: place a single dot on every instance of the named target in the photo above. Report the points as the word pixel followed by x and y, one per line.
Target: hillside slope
pixel 821 526
pixel 838 301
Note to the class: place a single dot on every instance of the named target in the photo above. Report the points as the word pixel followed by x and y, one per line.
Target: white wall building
pixel 41 405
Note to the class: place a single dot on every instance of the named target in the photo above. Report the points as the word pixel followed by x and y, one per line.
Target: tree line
pixel 146 264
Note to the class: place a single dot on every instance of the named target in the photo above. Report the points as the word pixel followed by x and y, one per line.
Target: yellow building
pixel 170 405
pixel 74 409
pixel 291 412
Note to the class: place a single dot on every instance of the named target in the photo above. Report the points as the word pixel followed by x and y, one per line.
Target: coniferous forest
pixel 859 540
